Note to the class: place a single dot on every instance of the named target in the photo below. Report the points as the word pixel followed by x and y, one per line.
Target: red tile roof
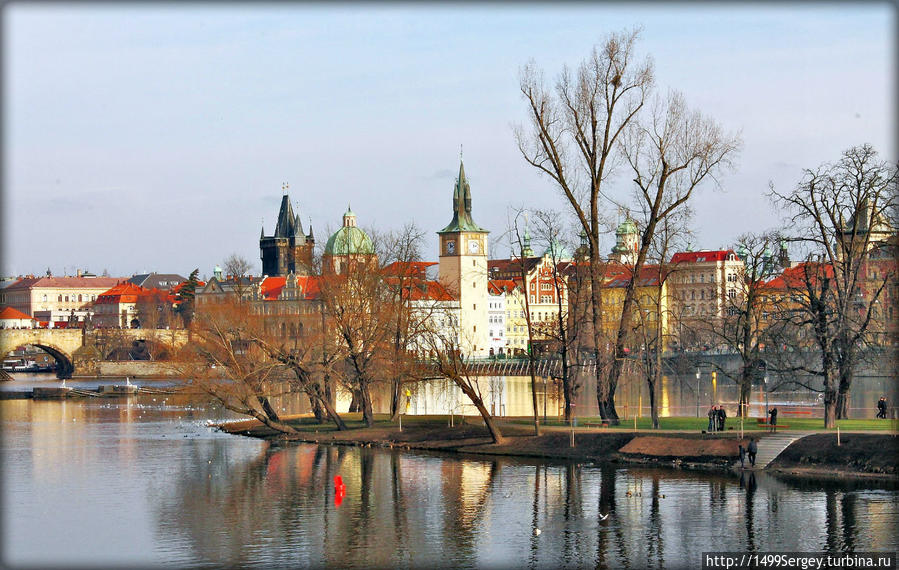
pixel 429 291
pixel 271 287
pixel 794 277
pixel 701 256
pixel 497 286
pixel 8 313
pixel 130 293
pixel 68 282
pixel 409 268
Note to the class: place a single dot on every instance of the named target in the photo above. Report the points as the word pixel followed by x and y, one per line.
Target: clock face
pixel 450 246
pixel 473 246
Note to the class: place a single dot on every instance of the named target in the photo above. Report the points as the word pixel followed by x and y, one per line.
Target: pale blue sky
pixel 155 137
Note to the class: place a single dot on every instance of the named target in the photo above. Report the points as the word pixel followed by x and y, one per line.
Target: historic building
pixel 463 270
pixel 626 243
pixel 288 250
pixel 348 247
pixel 56 299
pixel 131 306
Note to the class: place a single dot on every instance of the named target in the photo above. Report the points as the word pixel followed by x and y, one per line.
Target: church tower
pixel 463 269
pixel 289 250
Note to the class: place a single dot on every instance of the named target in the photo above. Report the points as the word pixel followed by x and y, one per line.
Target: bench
pixel 775 425
pixel 796 412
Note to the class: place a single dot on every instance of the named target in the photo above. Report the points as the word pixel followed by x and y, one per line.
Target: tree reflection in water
pixel 418 509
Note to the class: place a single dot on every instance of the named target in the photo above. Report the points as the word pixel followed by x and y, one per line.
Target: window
pixel 45 298
pixel 702 277
pixel 59 299
pixel 702 294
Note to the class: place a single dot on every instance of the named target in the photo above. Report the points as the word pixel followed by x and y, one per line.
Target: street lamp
pixel 766 396
pixel 697 392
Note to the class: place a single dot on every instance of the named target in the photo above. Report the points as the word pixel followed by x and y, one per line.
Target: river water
pixel 143 481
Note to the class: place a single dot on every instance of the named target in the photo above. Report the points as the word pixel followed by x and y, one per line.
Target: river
pixel 143 481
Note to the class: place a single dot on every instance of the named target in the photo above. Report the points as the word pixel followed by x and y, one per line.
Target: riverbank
pixel 869 456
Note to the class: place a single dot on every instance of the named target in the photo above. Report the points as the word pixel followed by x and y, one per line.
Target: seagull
pixel 603 517
pixel 536 532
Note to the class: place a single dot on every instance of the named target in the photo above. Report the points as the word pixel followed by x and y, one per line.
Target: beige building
pixel 56 298
pixel 701 282
pixel 463 271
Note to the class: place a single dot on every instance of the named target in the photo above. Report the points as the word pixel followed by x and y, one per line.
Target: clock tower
pixel 463 269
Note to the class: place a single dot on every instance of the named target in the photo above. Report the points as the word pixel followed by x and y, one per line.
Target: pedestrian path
pixel 769 447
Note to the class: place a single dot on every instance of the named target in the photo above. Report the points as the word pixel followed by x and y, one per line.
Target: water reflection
pixel 158 487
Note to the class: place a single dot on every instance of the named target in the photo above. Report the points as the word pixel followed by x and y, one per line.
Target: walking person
pixel 882 408
pixel 713 415
pixel 773 420
pixel 742 456
pixel 752 450
pixel 722 415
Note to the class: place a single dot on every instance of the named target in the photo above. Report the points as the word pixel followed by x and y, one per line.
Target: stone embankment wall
pixel 137 369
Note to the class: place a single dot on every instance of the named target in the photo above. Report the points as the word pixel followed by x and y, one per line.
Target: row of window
pixel 74 298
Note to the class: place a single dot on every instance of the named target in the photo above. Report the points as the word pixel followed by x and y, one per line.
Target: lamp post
pixel 766 397
pixel 697 392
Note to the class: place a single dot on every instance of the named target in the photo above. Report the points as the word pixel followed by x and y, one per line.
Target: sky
pixel 157 137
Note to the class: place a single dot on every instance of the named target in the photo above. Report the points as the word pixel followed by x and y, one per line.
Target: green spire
pixel 462 221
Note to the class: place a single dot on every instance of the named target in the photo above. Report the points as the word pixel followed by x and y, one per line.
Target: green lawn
pixel 671 423
pixel 749 424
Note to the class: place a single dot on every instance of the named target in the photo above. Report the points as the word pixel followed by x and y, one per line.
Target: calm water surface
pixel 144 482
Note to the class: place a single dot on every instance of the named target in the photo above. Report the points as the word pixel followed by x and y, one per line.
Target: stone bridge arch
pixel 60 344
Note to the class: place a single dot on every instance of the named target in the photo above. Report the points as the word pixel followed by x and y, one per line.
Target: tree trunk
pixel 653 408
pixel 605 393
pixel 355 402
pixel 842 406
pixel 489 422
pixel 268 409
pixel 317 409
pixel 395 398
pixel 534 391
pixel 367 413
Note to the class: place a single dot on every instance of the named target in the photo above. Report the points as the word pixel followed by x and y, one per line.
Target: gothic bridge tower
pixel 289 250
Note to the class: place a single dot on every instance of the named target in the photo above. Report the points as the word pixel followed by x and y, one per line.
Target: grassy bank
pixel 683 445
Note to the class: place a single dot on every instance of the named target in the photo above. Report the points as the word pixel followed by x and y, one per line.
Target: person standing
pixel 882 408
pixel 752 450
pixel 773 420
pixel 722 415
pixel 742 456
pixel 713 415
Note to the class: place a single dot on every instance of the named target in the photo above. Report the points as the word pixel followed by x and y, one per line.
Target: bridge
pixel 77 350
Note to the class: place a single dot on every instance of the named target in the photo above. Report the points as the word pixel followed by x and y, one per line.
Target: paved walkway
pixel 773 445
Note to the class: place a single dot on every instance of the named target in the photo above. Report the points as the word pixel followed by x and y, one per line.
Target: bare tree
pixel 234 357
pixel 747 327
pixel 563 329
pixel 654 322
pixel 404 280
pixel 671 153
pixel 520 263
pixel 442 342
pixel 572 137
pixel 842 213
pixel 237 266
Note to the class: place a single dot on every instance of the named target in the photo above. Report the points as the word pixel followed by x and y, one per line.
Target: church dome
pixel 349 240
pixel 560 251
pixel 626 227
